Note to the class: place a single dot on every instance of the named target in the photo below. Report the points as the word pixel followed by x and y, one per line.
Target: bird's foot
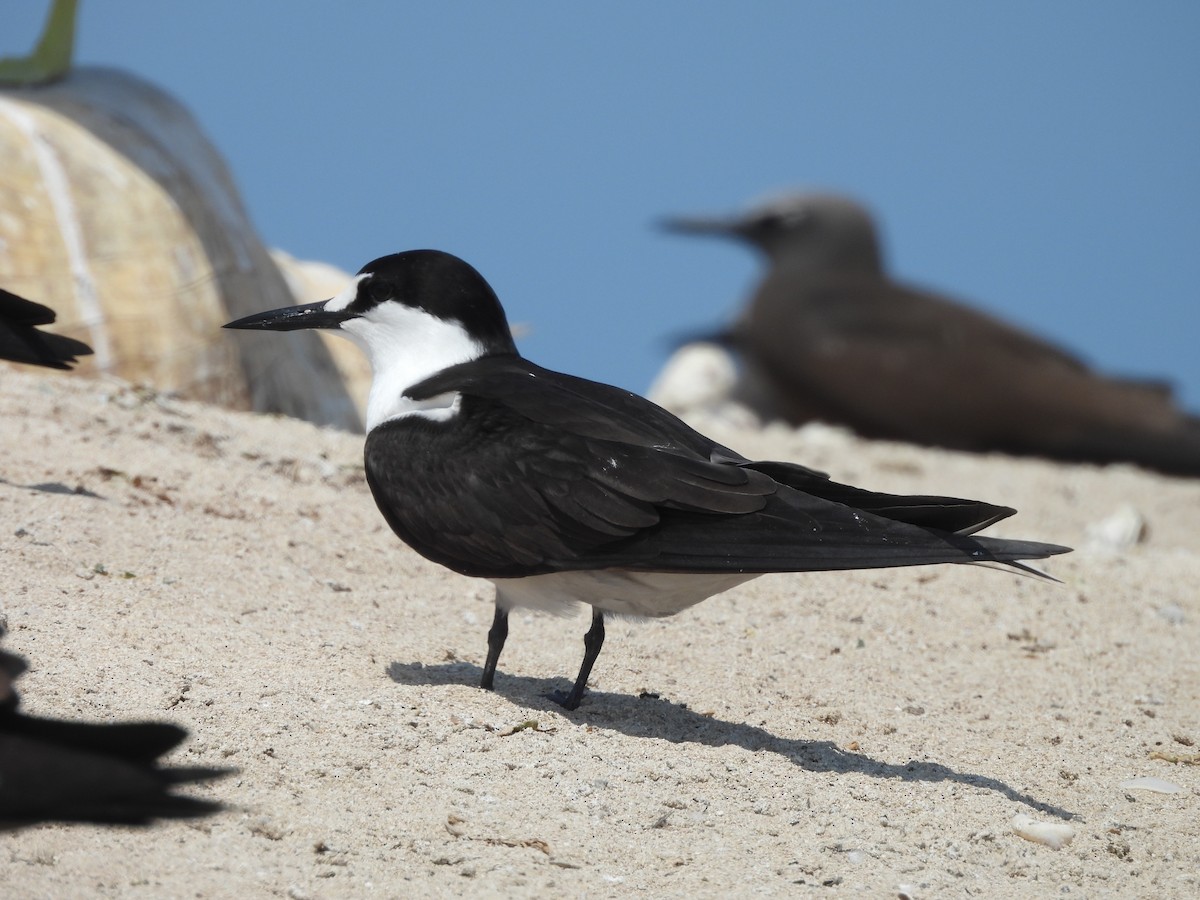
pixel 568 700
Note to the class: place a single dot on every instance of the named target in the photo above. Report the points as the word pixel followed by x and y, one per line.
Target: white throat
pixel 406 346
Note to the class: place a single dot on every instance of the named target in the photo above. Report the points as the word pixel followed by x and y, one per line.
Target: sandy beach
pixel 868 733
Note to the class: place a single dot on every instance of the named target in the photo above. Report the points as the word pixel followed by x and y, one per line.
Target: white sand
pixel 869 732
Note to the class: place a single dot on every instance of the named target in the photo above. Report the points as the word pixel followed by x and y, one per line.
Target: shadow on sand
pixel 53 487
pixel 651 716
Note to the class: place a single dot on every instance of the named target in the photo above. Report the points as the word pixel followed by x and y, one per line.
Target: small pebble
pixel 1172 613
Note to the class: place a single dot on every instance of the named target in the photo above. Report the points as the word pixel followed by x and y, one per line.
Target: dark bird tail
pixel 45 781
pixel 21 341
pixel 817 525
pixel 60 770
pixel 141 742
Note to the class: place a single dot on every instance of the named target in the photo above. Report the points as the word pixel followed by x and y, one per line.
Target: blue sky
pixel 1041 160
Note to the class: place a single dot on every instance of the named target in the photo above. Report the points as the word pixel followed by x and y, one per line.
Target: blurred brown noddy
pixel 829 336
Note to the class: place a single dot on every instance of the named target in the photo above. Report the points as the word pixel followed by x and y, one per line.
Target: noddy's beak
pixel 703 225
pixel 294 318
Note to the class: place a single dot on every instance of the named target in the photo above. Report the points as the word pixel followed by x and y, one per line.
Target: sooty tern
pixel 562 490
pixel 828 335
pixel 105 772
pixel 20 340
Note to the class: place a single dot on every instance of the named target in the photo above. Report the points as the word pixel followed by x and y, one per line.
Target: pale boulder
pixel 117 211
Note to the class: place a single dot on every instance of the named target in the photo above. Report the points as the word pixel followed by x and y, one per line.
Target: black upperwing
pixel 597 410
pixel 20 340
pixel 543 472
pixel 590 409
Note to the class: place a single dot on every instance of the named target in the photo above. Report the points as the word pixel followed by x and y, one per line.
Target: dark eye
pixel 783 220
pixel 377 291
pixel 793 218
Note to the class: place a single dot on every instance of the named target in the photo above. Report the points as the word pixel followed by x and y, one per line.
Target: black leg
pixel 497 635
pixel 592 642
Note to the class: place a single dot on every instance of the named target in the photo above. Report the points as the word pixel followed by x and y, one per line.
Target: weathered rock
pixel 118 212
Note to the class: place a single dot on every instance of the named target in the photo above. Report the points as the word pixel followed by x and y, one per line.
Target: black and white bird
pixel 829 335
pixel 562 490
pixel 21 341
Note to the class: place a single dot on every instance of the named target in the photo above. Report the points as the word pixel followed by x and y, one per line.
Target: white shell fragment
pixel 1053 834
pixel 1154 785
pixel 1123 529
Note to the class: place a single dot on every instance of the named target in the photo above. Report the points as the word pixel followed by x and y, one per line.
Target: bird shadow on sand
pixel 53 487
pixel 650 716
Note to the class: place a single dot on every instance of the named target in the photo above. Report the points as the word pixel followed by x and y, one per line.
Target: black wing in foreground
pixel 62 780
pixel 58 770
pixel 20 340
pixel 565 473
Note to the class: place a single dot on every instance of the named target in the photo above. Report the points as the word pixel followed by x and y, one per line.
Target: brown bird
pixel 20 340
pixel 829 336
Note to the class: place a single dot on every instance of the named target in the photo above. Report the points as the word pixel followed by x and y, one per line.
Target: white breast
pixel 406 346
pixel 620 591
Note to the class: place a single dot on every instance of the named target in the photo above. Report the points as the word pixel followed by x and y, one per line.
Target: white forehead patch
pixel 346 297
